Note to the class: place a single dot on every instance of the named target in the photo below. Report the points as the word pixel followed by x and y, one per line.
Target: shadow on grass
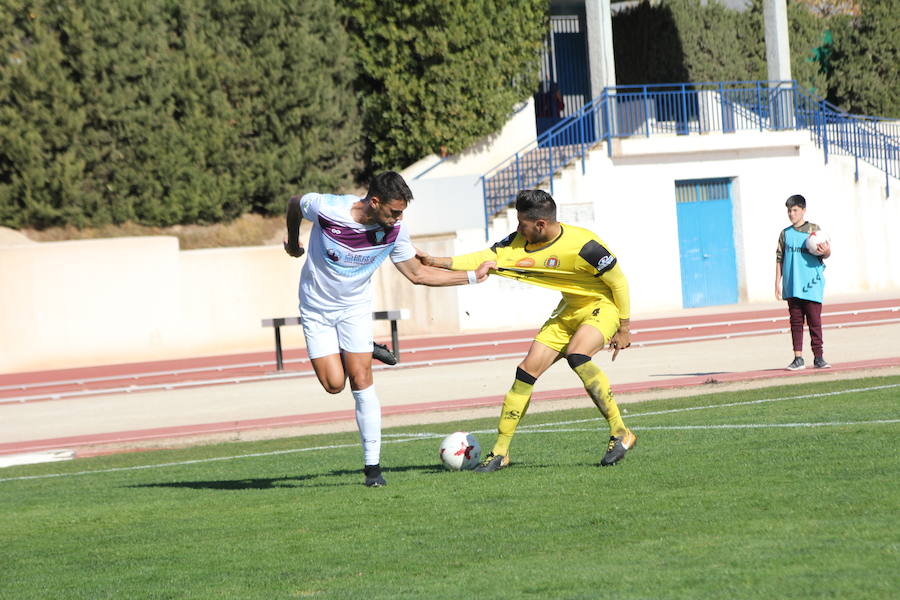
pixel 274 483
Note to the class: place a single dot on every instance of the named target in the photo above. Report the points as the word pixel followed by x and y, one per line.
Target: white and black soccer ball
pixel 460 451
pixel 814 239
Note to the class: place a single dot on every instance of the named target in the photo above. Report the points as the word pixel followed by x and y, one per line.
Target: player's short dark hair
pixel 536 204
pixel 796 200
pixel 388 186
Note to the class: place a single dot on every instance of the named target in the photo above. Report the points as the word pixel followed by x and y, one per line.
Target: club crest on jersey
pixel 552 262
pixel 334 256
pixel 525 262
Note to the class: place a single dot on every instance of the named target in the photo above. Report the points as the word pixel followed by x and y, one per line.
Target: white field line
pixel 725 426
pixel 399 438
pixel 726 405
pixel 487 343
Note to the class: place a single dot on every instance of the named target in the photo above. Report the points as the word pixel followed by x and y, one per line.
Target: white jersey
pixel 342 254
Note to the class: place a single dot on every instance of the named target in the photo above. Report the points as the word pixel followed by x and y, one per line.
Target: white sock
pixel 368 419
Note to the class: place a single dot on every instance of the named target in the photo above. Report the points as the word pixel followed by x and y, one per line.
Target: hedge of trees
pixel 851 60
pixel 170 111
pixel 191 111
pixel 865 67
pixel 436 75
pixel 194 111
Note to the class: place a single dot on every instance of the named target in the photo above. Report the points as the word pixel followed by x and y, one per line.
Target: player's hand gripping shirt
pixel 343 254
pixel 577 263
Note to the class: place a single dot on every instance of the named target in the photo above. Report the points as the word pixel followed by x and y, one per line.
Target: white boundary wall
pixel 68 304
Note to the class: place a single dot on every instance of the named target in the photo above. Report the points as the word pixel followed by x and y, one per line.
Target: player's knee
pixel 524 376
pixel 360 381
pixel 576 360
pixel 333 388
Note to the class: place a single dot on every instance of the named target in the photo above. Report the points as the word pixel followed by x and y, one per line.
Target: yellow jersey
pixel 577 263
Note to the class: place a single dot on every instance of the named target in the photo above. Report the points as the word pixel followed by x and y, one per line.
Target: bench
pixel 380 315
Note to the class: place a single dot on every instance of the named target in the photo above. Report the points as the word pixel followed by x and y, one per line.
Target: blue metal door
pixel 564 78
pixel 706 242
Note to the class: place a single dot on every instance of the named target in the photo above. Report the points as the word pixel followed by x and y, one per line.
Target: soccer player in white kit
pixel 350 238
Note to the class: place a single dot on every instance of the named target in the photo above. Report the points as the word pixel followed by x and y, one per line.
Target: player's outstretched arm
pixel 293 217
pixel 441 262
pixel 420 274
pixel 460 262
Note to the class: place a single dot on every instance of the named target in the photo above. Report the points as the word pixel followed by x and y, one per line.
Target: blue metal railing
pixel 684 109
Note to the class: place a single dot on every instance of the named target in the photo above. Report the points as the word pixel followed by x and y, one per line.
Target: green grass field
pixel 783 492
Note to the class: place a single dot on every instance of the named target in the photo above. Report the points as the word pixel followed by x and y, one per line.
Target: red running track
pixel 216 370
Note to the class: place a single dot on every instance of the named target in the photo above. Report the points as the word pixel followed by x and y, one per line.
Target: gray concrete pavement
pixel 450 384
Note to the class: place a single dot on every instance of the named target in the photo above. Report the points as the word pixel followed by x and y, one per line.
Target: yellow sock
pixel 597 385
pixel 515 405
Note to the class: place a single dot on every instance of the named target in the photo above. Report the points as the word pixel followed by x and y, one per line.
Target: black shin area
pixel 525 377
pixel 576 360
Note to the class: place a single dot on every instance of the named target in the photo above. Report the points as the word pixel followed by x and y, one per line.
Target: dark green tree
pixel 692 41
pixel 41 116
pixel 171 111
pixel 435 75
pixel 677 41
pixel 866 64
pixel 291 73
pixel 805 33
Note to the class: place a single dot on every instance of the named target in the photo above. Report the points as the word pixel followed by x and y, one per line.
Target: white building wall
pixel 629 201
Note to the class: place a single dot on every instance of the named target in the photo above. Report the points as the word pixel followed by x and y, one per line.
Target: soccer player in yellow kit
pixel 593 313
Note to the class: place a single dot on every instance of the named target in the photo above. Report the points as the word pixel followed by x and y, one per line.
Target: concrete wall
pixel 69 304
pixel 489 151
pixel 66 304
pixel 444 204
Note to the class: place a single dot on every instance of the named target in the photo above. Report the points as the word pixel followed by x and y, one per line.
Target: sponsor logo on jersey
pixel 552 262
pixel 360 259
pixel 335 231
pixel 525 262
pixel 605 262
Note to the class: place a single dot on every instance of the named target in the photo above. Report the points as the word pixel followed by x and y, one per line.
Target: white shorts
pixel 330 332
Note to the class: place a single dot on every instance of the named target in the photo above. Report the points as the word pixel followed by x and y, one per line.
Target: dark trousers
pixel 812 312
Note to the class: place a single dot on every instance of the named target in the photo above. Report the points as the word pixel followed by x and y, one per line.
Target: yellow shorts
pixel 556 332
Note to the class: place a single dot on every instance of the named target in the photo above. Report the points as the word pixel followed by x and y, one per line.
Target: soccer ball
pixel 814 239
pixel 460 451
